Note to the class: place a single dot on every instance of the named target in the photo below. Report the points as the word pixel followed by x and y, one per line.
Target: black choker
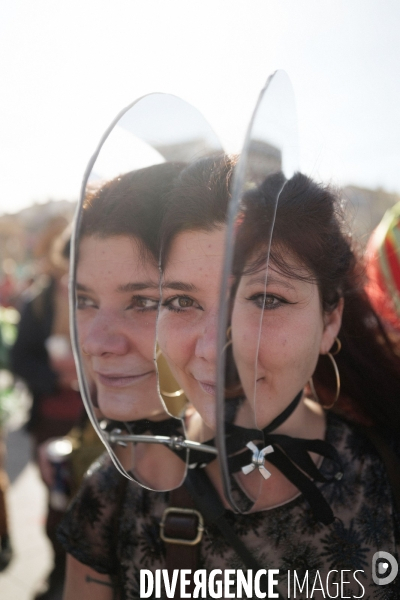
pixel 290 456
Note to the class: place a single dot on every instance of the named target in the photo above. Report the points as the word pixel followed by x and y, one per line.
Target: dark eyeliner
pixel 255 297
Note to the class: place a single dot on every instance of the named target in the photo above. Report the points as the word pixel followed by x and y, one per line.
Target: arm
pixel 82 582
pixel 83 534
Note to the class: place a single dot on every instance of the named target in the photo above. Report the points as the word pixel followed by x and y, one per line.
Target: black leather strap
pixel 180 525
pixel 209 504
pixel 198 492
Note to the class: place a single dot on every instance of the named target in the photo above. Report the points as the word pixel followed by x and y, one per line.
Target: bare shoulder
pixel 82 582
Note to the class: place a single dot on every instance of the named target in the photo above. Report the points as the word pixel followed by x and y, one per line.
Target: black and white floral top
pixel 113 526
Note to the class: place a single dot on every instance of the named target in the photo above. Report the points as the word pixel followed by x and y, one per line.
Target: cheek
pixel 83 326
pixel 177 337
pixel 245 333
pixel 275 350
pixel 291 346
pixel 304 366
pixel 142 336
pixel 174 345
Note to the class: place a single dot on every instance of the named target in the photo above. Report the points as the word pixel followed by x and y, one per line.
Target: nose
pixel 206 343
pixel 106 334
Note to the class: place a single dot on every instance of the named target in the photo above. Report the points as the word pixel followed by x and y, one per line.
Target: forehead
pixel 197 246
pixel 278 262
pixel 113 259
pixel 195 261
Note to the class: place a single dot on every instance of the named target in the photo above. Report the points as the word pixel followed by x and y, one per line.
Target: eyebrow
pixel 82 288
pixel 179 285
pixel 127 287
pixel 135 287
pixel 270 279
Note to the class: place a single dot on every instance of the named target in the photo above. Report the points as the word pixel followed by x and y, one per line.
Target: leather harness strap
pixel 199 492
pixel 181 529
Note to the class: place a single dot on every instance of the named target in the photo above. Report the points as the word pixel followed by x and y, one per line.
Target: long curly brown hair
pixel 308 220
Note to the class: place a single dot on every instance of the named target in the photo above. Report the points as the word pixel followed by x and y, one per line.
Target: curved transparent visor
pixel 129 391
pixel 246 403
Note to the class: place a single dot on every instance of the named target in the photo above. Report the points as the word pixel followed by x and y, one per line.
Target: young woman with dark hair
pixel 291 311
pixel 191 258
pixel 310 228
pixel 117 296
pixel 326 515
pixel 112 523
pixel 118 290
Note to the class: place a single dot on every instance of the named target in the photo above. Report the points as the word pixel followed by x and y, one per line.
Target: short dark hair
pixel 132 205
pixel 198 200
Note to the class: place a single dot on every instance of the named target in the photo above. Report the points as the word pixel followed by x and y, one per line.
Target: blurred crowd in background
pixel 38 381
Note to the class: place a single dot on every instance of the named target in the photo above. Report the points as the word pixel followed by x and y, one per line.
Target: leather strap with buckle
pixel 182 528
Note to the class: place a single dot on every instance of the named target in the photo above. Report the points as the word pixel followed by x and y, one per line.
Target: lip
pixel 117 380
pixel 208 387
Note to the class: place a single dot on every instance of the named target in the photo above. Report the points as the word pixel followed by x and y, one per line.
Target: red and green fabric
pixel 383 267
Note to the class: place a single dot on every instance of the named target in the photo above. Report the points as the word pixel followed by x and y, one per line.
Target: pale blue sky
pixel 67 67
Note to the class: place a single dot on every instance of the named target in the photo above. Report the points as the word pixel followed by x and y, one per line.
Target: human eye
pixel 143 304
pixel 83 302
pixel 180 304
pixel 267 301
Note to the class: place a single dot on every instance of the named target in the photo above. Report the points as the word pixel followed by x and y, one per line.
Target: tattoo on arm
pixel 90 579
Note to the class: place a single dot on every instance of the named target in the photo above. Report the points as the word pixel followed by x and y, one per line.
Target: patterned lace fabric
pixel 113 526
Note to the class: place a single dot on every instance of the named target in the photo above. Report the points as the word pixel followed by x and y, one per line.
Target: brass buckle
pixel 185 511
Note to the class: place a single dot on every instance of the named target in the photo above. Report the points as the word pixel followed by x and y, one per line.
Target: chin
pixel 206 409
pixel 126 408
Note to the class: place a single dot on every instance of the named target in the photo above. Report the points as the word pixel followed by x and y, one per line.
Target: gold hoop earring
pixel 337 375
pixel 166 372
pixel 176 394
pixel 228 337
pixel 338 347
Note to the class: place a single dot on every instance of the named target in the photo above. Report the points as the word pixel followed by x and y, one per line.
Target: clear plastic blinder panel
pixel 131 395
pixel 248 402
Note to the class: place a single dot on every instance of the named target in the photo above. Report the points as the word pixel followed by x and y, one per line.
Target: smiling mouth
pixel 119 381
pixel 209 388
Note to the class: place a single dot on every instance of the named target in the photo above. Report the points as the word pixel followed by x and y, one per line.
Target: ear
pixel 332 324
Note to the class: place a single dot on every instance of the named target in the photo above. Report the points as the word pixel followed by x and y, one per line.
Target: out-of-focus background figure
pixel 42 357
pixel 39 398
pixel 42 353
pixel 383 269
pixel 9 318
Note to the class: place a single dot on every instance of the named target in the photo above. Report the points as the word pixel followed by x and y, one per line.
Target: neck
pixel 307 421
